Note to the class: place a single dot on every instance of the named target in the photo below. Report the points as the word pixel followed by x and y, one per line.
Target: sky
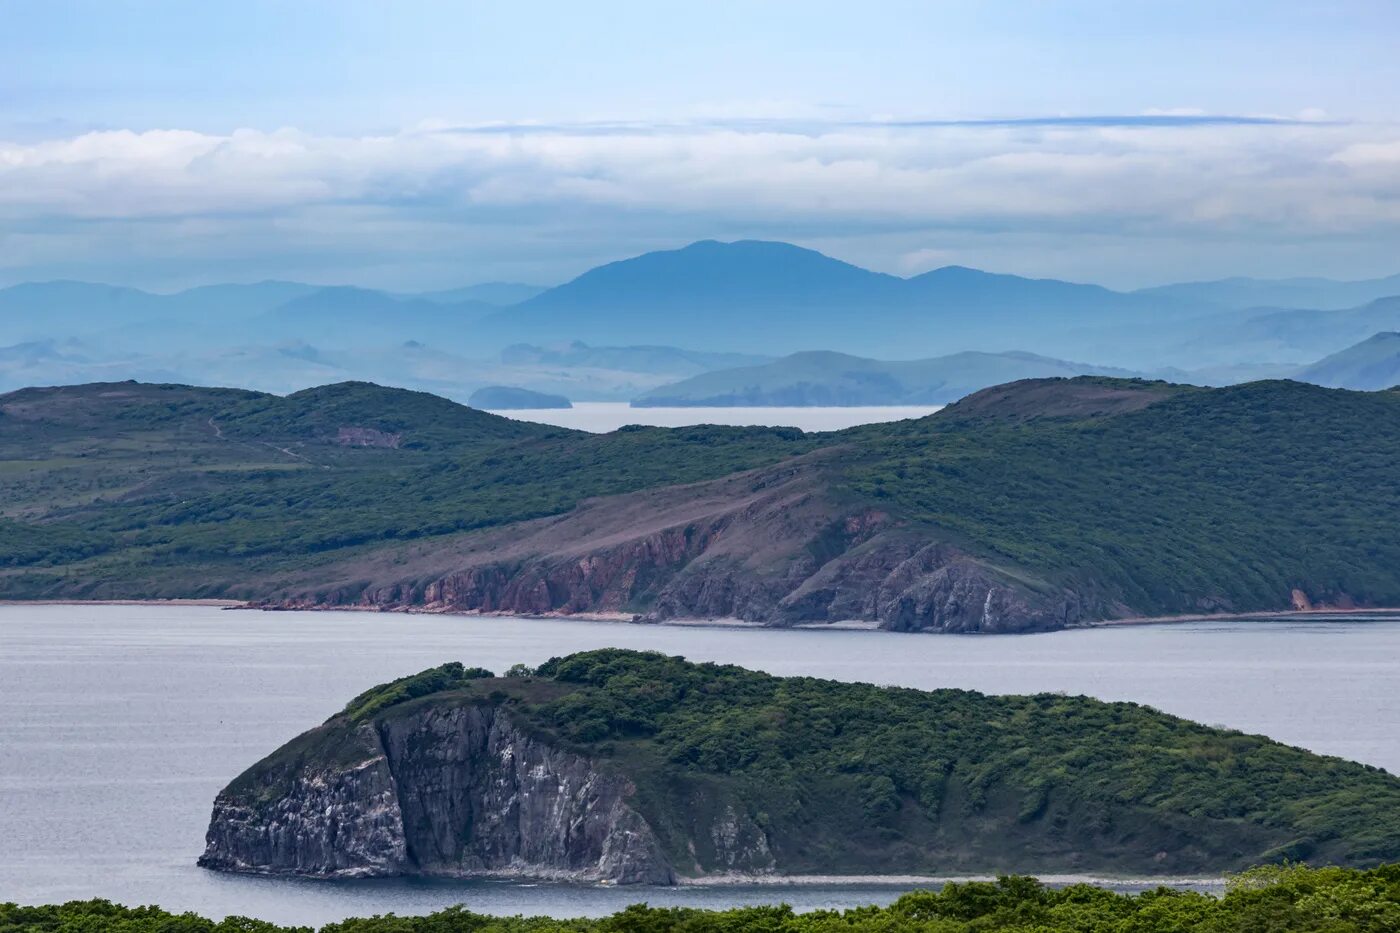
pixel 421 145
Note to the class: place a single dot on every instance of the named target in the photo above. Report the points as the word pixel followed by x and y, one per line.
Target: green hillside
pixel 122 489
pixel 1136 497
pixel 1205 499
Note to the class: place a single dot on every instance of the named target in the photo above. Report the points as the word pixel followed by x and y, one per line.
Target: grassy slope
pixel 1222 498
pixel 124 489
pixel 1240 493
pixel 858 778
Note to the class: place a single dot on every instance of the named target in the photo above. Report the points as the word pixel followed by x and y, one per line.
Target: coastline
pixel 218 603
pixel 845 625
pixel 733 879
pixel 1286 614
pixel 626 618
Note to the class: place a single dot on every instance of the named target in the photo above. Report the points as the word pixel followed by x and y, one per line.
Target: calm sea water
pixel 609 416
pixel 118 724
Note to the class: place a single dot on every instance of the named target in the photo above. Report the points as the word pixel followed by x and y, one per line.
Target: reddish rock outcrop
pixel 775 546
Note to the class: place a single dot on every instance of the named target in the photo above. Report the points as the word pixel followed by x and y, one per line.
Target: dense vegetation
pixel 124 489
pixel 859 778
pixel 1205 499
pixel 1233 495
pixel 1270 900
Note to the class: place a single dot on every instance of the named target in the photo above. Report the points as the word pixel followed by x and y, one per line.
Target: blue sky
pixel 417 144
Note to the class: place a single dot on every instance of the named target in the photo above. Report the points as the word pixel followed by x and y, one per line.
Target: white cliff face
pixel 479 797
pixel 451 792
pixel 341 822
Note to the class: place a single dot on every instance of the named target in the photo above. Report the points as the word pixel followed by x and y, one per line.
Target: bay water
pixel 119 724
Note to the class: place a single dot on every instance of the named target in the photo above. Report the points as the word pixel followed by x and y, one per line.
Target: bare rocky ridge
pixel 776 546
pixel 450 792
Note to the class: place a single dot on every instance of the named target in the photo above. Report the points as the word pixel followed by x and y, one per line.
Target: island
pixel 511 398
pixel 826 378
pixel 635 767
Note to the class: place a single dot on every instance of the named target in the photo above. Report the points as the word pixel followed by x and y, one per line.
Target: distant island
pixel 1031 506
pixel 633 767
pixel 827 378
pixel 507 398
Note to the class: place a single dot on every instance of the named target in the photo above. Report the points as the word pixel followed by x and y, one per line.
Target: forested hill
pixel 704 769
pixel 1034 505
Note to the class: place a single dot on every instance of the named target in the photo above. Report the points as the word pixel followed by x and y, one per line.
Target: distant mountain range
pixel 1323 294
pixel 491 293
pixel 1369 365
pixel 827 378
pixel 190 319
pixel 1298 335
pixel 706 306
pixel 778 298
pixel 644 359
pixel 775 297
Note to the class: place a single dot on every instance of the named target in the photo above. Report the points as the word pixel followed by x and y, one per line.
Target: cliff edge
pixel 633 767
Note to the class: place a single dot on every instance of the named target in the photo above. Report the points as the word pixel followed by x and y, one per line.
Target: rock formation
pixel 450 792
pixel 773 546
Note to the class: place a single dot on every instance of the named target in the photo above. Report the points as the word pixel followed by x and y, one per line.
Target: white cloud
pixel 1270 179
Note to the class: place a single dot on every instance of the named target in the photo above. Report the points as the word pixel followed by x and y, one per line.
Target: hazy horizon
pixel 427 145
pixel 409 291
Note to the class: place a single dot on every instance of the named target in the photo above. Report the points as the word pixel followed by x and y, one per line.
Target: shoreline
pixel 216 603
pixel 1286 614
pixel 743 880
pixel 844 625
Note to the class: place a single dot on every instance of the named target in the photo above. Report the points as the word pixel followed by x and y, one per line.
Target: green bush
pixel 1288 900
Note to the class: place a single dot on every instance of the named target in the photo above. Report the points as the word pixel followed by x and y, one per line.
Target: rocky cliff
pixel 777 546
pixel 632 767
pixel 454 791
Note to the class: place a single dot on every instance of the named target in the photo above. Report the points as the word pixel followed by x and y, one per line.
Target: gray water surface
pixel 118 724
pixel 600 417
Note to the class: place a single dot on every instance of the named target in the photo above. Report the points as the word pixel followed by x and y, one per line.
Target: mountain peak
pixel 1374 363
pixel 708 272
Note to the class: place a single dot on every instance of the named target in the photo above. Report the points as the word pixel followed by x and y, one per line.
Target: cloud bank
pixel 456 203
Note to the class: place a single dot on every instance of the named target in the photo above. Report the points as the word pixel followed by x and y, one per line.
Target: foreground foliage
pixel 1270 900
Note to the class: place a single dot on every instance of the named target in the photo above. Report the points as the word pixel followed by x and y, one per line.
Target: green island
pixel 1030 506
pixel 1288 899
pixel 627 766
